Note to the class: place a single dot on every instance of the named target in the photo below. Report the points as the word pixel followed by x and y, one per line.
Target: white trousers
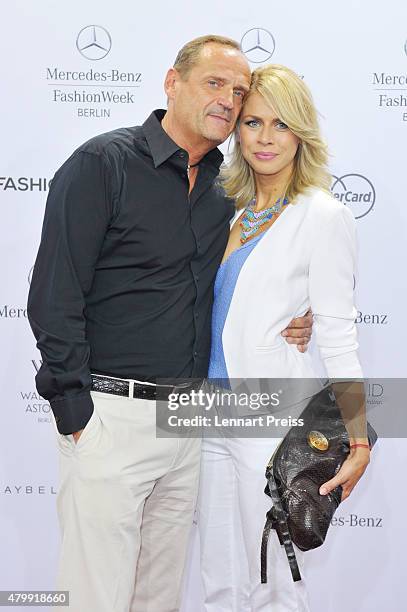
pixel 232 510
pixel 125 506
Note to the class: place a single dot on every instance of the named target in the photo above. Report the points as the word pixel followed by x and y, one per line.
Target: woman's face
pixel 267 144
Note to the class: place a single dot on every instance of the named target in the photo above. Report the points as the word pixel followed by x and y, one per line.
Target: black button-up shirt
pixel 123 280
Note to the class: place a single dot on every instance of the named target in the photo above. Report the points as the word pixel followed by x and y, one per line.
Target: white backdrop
pixel 58 92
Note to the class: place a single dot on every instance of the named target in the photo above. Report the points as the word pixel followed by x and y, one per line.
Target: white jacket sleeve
pixel 331 281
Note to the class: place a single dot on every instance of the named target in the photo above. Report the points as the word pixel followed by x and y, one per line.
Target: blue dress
pixel 225 284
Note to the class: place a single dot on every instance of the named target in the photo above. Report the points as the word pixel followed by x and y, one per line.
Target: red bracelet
pixel 360 445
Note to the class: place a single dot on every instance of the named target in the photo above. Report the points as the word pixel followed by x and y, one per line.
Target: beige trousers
pixel 125 507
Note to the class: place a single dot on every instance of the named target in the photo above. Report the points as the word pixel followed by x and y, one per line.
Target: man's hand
pixel 77 435
pixel 299 331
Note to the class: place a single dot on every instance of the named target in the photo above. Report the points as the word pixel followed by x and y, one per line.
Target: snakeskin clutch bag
pixel 307 457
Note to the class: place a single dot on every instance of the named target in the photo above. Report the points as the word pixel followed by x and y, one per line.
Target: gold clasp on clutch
pixel 317 441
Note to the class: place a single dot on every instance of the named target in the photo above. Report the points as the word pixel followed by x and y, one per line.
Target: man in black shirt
pixel 134 230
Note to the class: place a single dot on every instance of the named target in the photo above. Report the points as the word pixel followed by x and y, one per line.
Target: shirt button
pixel 195 354
pixel 196 277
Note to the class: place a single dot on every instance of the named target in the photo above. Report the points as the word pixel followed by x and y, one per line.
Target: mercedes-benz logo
pixel 258 45
pixel 94 42
pixel 356 191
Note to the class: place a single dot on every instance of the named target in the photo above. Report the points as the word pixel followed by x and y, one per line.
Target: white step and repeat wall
pixel 59 89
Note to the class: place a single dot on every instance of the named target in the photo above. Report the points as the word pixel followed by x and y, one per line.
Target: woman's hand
pixel 351 471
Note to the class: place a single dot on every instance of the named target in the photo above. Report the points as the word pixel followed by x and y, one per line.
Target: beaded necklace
pixel 253 220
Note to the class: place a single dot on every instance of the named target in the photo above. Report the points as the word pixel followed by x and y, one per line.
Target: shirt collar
pixel 162 147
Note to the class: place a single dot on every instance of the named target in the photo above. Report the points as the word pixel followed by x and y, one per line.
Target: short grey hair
pixel 189 55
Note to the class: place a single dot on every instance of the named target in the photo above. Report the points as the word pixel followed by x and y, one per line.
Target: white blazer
pixel 307 258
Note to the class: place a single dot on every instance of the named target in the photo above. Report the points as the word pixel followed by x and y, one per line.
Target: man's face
pixel 207 102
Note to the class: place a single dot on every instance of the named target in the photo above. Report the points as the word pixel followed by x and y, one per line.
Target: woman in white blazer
pixel 292 247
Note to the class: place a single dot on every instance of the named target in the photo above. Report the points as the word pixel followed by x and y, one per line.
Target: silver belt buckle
pixel 131 390
pixel 178 389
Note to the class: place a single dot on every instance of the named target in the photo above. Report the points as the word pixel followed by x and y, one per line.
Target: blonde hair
pixel 190 53
pixel 289 97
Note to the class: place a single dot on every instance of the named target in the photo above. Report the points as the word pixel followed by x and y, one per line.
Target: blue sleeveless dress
pixel 225 284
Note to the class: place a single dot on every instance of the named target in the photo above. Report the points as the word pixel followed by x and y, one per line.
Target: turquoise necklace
pixel 253 220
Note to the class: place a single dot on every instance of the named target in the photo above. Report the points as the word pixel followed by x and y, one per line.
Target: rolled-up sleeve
pixel 78 212
pixel 331 289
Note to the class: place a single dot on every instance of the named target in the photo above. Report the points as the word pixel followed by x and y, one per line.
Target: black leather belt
pixel 138 390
